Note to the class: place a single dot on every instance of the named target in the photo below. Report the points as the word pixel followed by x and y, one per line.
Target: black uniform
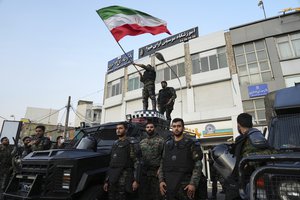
pixel 124 168
pixel 164 96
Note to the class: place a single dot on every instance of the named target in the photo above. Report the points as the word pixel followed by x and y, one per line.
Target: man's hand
pixel 162 188
pixel 105 187
pixel 190 190
pixel 170 100
pixel 135 185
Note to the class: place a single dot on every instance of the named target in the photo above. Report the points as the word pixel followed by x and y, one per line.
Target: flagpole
pixel 121 46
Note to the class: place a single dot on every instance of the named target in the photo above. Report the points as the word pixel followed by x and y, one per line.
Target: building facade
pixel 88 113
pixel 218 75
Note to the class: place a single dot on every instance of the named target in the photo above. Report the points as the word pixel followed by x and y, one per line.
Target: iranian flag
pixel 123 21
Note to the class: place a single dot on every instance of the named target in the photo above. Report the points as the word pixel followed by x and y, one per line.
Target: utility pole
pixel 66 134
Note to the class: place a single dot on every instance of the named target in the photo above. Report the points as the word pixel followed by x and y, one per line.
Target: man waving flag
pixel 123 21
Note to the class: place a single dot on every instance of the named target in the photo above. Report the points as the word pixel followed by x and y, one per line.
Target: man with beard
pixel 250 141
pixel 165 100
pixel 151 148
pixel 40 142
pixel 180 168
pixel 124 168
pixel 5 163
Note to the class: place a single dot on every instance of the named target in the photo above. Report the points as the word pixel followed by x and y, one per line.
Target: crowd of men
pixel 158 169
pixel 10 157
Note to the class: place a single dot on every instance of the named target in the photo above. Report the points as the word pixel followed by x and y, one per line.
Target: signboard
pixel 170 41
pixel 258 90
pixel 11 129
pixel 120 62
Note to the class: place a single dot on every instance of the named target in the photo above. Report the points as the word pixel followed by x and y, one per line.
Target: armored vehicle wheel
pixel 94 193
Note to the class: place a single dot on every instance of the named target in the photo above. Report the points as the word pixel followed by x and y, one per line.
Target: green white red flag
pixel 123 21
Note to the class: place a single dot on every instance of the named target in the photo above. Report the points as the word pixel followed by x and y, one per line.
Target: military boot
pixel 153 104
pixel 145 105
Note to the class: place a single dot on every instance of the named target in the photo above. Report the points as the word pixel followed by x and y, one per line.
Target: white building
pixel 220 75
pixel 42 115
pixel 87 112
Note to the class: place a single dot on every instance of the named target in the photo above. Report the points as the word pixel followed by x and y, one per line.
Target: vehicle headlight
pixel 289 190
pixel 66 179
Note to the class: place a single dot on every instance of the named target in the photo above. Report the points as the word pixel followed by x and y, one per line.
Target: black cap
pixel 164 82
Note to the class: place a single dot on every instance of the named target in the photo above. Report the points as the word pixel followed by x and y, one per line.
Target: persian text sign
pixel 119 62
pixel 258 90
pixel 170 41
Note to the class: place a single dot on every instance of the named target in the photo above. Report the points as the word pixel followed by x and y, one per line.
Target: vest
pixel 178 156
pixel 120 155
pixel 149 75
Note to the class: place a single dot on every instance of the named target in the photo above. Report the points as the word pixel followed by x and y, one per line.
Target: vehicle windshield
pixel 285 132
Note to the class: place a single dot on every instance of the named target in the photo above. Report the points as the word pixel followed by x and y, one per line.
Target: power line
pixel 90 94
pixel 80 116
pixel 48 115
pixel 3 117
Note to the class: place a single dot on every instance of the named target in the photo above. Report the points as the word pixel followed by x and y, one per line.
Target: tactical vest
pixel 149 75
pixel 120 155
pixel 178 156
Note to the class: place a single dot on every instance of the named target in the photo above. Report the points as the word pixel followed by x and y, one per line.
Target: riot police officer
pixel 180 168
pixel 124 169
pixel 250 141
pixel 148 79
pixel 165 99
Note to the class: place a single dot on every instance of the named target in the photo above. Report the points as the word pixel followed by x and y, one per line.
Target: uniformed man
pixel 39 141
pixel 151 148
pixel 250 141
pixel 165 100
pixel 148 79
pixel 5 164
pixel 180 168
pixel 124 168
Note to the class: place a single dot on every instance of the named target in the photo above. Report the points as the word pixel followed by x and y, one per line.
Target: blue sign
pixel 119 62
pixel 258 90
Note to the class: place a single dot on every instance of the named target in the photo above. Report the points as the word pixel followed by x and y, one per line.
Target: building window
pixel 253 63
pixel 114 88
pixel 256 108
pixel 134 82
pixel 164 73
pixel 203 63
pixel 288 46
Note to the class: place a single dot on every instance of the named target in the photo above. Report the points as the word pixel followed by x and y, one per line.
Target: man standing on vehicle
pixel 148 79
pixel 180 168
pixel 151 148
pixel 39 141
pixel 165 100
pixel 124 168
pixel 5 164
pixel 250 141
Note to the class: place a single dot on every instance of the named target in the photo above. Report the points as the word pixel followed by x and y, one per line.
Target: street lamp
pixel 261 3
pixel 160 57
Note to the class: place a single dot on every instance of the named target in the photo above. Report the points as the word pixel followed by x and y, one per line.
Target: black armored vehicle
pixel 275 176
pixel 77 172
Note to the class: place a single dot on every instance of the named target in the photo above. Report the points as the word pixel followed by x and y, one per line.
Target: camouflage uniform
pixel 151 148
pixel 43 143
pixel 180 166
pixel 124 169
pixel 164 96
pixel 5 166
pixel 148 79
pixel 244 146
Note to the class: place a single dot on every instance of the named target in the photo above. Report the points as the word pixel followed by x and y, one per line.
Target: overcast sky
pixel 52 49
